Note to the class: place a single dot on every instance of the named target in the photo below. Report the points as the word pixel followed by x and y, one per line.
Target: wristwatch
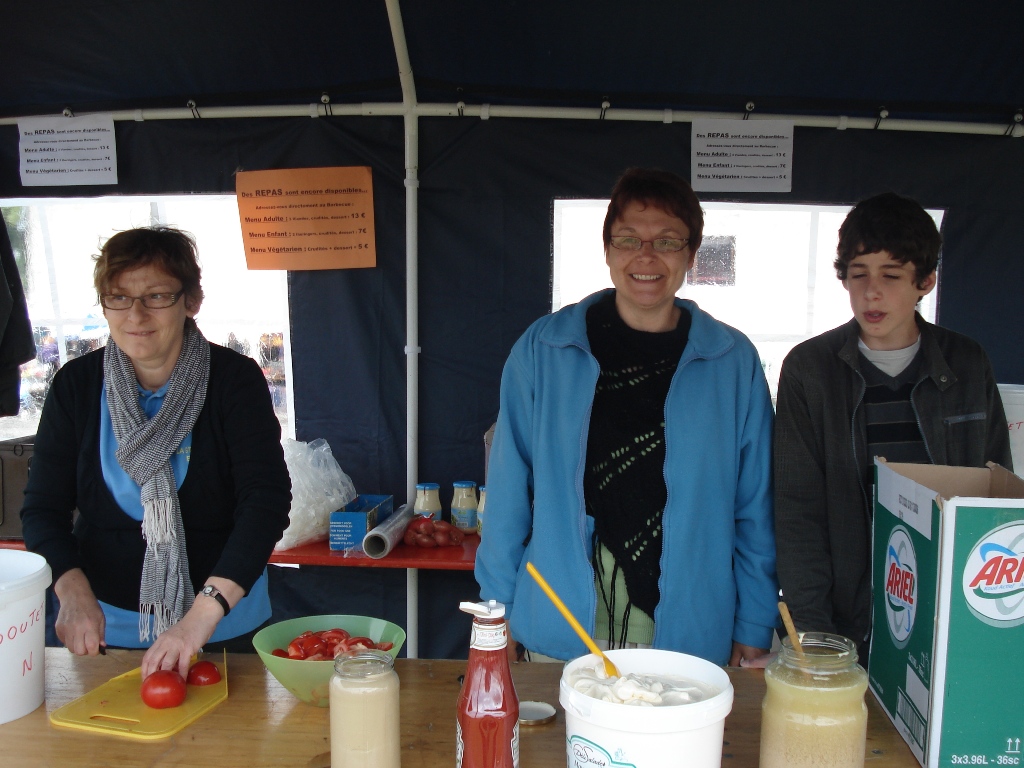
pixel 211 591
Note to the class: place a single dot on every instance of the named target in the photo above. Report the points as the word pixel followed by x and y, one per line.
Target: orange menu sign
pixel 307 218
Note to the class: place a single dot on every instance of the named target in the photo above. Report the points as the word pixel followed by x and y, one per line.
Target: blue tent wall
pixel 485 271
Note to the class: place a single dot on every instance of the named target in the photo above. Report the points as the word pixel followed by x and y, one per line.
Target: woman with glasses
pixel 631 463
pixel 169 448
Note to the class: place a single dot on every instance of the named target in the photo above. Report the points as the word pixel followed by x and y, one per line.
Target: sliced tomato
pixel 311 646
pixel 163 688
pixel 382 646
pixel 360 644
pixel 335 635
pixel 295 650
pixel 280 652
pixel 203 673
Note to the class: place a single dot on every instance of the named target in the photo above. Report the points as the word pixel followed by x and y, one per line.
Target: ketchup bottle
pixel 487 719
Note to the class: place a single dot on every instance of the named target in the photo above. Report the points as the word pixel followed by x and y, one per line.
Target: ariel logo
pixel 994 577
pixel 900 586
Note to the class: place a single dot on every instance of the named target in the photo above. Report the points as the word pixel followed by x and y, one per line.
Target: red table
pixel 402 556
pixel 461 558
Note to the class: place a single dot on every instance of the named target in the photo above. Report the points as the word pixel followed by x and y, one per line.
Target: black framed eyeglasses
pixel 149 301
pixel 661 244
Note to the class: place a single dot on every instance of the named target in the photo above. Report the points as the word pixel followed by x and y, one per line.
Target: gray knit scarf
pixel 144 450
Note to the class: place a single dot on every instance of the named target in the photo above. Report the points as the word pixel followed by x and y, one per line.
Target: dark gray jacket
pixel 822 504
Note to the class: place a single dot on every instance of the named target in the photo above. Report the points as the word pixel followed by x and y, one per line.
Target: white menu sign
pixel 67 151
pixel 741 155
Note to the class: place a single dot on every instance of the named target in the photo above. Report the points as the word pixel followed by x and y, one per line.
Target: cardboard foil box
pixel 948 611
pixel 357 518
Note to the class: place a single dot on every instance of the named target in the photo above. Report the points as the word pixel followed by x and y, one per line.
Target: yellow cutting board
pixel 116 707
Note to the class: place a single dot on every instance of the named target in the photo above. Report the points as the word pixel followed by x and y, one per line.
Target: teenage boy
pixel 885 384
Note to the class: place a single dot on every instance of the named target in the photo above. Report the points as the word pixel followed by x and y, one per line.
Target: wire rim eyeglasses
pixel 149 301
pixel 660 244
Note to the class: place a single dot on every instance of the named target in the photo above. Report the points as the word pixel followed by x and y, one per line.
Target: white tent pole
pixel 486 111
pixel 412 336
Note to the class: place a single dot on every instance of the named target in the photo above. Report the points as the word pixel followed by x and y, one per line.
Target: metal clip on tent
pixel 882 114
pixel 67 112
pixel 1018 116
pixel 748 109
pixel 325 99
pixel 191 104
pixel 604 107
pixel 461 106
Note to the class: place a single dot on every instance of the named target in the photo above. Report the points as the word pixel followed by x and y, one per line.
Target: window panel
pixel 54 240
pixel 763 268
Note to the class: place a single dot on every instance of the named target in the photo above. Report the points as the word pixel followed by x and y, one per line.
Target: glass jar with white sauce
pixel 365 726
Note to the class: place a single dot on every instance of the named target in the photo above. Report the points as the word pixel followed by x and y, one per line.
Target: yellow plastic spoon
pixel 609 666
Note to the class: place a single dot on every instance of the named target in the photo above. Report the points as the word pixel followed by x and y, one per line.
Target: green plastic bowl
pixel 309 680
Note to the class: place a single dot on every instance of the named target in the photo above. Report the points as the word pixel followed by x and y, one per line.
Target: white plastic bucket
pixel 601 733
pixel 1012 396
pixel 24 577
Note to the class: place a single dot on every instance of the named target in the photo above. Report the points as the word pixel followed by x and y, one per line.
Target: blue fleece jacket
pixel 718 582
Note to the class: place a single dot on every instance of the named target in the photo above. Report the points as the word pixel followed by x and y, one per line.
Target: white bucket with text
pixel 24 578
pixel 607 734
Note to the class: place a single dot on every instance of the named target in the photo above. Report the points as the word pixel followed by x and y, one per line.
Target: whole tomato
pixel 203 673
pixel 162 689
pixel 425 540
pixel 421 525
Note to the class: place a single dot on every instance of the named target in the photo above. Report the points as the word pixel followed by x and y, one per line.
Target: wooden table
pixel 261 724
pixel 461 558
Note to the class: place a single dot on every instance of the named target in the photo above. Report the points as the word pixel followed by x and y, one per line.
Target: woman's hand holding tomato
pixel 165 688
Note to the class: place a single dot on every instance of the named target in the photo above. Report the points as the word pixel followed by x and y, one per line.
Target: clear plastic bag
pixel 319 486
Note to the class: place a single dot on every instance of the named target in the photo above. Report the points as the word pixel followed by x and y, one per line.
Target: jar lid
pixel 428 487
pixel 535 713
pixel 464 484
pixel 363 663
pixel 488 609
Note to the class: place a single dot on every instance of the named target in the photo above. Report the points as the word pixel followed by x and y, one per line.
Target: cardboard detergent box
pixel 948 612
pixel 357 518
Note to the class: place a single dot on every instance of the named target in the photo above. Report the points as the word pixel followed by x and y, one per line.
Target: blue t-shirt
pixel 123 625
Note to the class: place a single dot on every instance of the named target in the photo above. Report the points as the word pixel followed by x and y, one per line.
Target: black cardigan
pixel 234 500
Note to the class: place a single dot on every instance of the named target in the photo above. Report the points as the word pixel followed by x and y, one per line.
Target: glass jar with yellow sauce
pixel 813 715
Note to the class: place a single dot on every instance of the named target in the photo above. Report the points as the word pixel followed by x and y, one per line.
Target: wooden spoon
pixel 609 666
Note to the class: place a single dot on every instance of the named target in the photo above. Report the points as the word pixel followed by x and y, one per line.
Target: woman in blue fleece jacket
pixel 631 463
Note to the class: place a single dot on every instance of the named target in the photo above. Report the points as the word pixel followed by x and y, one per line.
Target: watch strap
pixel 211 591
